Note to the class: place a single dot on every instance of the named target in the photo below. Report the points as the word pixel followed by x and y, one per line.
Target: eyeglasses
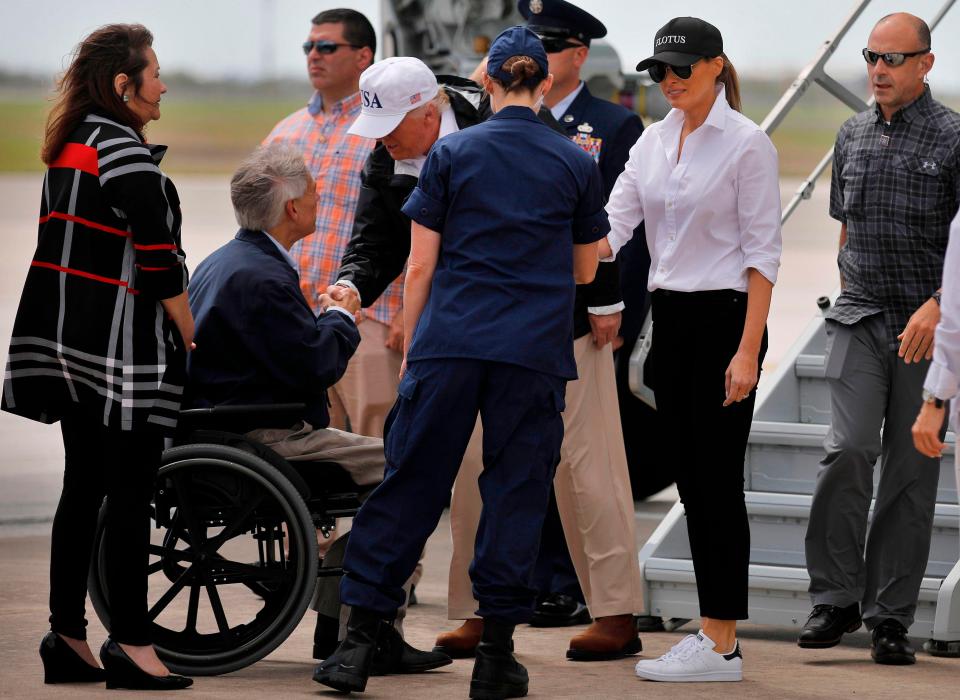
pixel 553 44
pixel 325 46
pixel 658 71
pixel 891 59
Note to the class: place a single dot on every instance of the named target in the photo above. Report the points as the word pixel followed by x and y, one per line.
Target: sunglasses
pixel 325 46
pixel 892 58
pixel 658 71
pixel 558 44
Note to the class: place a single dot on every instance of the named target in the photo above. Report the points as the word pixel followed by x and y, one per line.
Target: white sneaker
pixel 693 660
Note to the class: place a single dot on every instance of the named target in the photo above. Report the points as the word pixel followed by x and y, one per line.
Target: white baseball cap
pixel 388 90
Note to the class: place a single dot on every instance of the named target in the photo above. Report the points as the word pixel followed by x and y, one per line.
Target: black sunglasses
pixel 895 58
pixel 325 46
pixel 558 44
pixel 658 71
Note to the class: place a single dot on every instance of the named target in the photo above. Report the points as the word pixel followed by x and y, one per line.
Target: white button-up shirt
pixel 710 215
pixel 943 377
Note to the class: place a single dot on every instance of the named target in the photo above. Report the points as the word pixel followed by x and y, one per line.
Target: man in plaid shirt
pixel 340 46
pixel 895 190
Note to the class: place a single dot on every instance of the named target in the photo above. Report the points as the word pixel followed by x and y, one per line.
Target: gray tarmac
pixel 31 459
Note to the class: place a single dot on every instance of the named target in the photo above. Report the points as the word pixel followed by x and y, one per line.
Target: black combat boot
pixel 394 655
pixel 496 674
pixel 348 668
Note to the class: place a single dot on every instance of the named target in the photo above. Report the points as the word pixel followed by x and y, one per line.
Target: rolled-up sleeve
pixel 758 206
pixel 429 201
pixel 625 208
pixel 836 180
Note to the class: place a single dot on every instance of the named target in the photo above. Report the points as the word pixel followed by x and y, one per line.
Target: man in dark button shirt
pixel 895 190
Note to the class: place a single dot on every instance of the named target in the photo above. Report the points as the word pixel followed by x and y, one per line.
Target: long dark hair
pixel 728 78
pixel 87 85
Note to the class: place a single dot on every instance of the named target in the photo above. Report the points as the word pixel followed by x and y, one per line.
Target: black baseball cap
pixel 683 41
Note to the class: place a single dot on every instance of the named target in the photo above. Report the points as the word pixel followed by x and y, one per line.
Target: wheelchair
pixel 233 553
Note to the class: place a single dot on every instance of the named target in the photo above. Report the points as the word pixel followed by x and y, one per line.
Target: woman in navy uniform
pixel 505 221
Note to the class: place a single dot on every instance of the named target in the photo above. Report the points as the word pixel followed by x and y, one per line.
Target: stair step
pixel 785 457
pixel 778 526
pixel 778 594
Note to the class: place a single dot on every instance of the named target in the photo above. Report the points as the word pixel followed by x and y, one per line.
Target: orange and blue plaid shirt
pixel 335 159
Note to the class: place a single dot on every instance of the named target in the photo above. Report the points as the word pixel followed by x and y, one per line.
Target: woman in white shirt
pixel 705 182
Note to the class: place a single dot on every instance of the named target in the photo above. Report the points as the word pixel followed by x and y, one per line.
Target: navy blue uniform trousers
pixel 426 436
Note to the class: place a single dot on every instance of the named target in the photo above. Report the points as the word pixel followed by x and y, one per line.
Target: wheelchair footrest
pixel 331 571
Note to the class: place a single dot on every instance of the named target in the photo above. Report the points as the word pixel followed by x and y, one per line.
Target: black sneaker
pixel 891 646
pixel 827 624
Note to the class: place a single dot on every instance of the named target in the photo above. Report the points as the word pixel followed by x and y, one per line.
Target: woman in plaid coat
pixel 100 342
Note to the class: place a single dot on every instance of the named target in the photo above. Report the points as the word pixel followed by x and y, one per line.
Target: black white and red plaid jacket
pixel 90 333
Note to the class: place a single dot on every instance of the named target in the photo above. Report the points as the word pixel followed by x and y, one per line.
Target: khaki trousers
pixel 367 390
pixel 592 486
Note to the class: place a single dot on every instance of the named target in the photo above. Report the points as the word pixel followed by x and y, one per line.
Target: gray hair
pixel 265 181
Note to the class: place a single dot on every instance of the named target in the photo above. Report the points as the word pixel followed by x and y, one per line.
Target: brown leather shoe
pixel 462 642
pixel 607 638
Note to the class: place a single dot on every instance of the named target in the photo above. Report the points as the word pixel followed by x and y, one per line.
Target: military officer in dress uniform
pixel 592 486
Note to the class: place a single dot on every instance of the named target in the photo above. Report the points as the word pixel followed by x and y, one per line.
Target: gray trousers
pixel 359 455
pixel 870 387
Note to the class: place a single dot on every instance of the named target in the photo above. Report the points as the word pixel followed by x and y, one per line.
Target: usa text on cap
pixel 388 90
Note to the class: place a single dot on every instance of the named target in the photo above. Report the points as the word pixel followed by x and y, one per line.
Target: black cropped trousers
pixel 695 335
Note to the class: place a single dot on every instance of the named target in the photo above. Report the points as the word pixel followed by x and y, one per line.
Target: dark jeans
pixel 122 466
pixel 694 338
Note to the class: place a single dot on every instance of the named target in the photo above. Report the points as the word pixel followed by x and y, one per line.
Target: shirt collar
pixel 516 112
pixel 717 118
pixel 413 166
pixel 559 109
pixel 347 104
pixel 914 110
pixel 283 251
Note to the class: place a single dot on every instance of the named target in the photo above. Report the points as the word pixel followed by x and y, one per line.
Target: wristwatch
pixel 936 297
pixel 929 397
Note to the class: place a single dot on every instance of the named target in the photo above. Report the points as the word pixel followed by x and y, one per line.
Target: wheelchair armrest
pixel 241 417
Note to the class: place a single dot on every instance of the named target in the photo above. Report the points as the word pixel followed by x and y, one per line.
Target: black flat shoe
pixel 891 646
pixel 122 672
pixel 827 624
pixel 61 664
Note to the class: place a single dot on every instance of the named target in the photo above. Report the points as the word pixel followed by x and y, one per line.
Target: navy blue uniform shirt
pixel 509 197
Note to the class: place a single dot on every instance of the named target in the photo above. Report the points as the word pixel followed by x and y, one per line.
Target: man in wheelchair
pixel 259 342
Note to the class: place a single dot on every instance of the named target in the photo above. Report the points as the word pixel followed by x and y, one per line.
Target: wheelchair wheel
pixel 233 560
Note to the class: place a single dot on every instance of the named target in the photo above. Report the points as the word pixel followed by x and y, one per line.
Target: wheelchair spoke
pixel 193 606
pixel 171 554
pixel 171 593
pixel 231 530
pixel 217 606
